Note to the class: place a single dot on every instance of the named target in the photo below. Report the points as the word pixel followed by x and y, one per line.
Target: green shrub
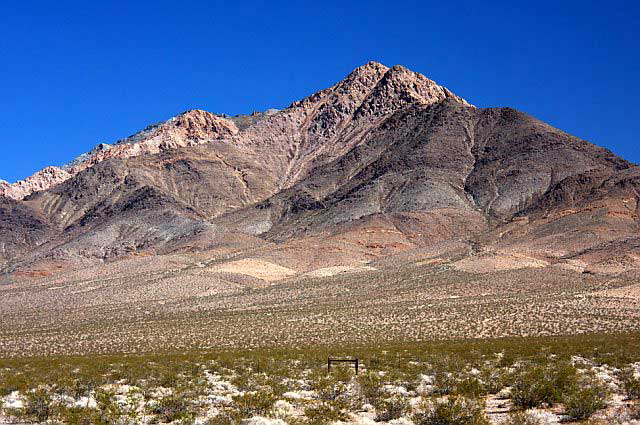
pixel 585 400
pixel 370 385
pixel 630 384
pixel 494 380
pixel 257 403
pixel 393 408
pixel 342 373
pixel 81 387
pixel 328 387
pixel 325 413
pixel 226 417
pixel 444 383
pixel 522 418
pixel 542 385
pixel 77 416
pixel 173 408
pixel 38 405
pixel 454 411
pixel 169 379
pixel 470 387
pixel 11 383
pixel 108 411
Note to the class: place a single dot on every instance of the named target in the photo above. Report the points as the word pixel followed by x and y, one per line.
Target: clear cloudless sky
pixel 77 73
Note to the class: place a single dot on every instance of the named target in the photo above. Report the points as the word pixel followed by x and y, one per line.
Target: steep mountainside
pixel 382 164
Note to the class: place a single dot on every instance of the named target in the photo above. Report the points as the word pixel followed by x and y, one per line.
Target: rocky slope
pixel 384 163
pixel 42 180
pixel 188 129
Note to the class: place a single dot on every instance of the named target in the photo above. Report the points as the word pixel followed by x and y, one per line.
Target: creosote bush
pixel 585 399
pixel 470 386
pixel 538 385
pixel 229 386
pixel 392 408
pixel 257 403
pixel 630 383
pixel 226 417
pixel 370 385
pixel 325 413
pixel 38 405
pixel 453 411
pixel 173 408
pixel 522 418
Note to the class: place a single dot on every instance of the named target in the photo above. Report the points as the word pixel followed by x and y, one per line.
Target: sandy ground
pixel 335 270
pixel 486 263
pixel 260 269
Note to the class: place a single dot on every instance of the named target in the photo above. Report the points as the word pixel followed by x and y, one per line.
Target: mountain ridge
pixel 195 123
pixel 384 162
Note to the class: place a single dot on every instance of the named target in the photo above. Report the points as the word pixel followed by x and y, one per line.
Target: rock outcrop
pixel 187 129
pixel 42 180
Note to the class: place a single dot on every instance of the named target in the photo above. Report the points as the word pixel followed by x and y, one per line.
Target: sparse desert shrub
pixel 370 385
pixel 274 382
pixel 169 379
pixel 453 411
pixel 9 384
pixel 110 412
pixel 494 379
pixel 630 383
pixel 328 387
pixel 522 418
pixel 539 385
pixel 257 403
pixel 325 413
pixel 173 408
pixel 342 373
pixel 38 405
pixel 586 399
pixel 444 383
pixel 470 387
pixel 81 387
pixel 77 416
pixel 226 417
pixel 392 408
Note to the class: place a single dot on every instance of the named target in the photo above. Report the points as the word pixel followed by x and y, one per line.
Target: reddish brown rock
pixel 42 180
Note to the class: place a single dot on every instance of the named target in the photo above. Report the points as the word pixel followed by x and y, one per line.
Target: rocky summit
pixel 384 173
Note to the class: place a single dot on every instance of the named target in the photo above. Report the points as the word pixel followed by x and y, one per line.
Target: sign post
pixel 331 361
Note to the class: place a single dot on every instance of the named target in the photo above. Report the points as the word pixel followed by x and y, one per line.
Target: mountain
pixel 384 168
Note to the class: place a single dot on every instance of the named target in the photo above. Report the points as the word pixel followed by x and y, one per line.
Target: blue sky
pixel 74 74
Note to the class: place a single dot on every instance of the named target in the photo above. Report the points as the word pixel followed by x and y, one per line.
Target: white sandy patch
pixel 334 270
pixel 577 266
pixel 300 395
pixel 13 401
pixel 256 268
pixel 497 262
pixel 259 420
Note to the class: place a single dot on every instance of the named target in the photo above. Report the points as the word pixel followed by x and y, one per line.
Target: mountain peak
pixel 370 91
pixel 370 67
